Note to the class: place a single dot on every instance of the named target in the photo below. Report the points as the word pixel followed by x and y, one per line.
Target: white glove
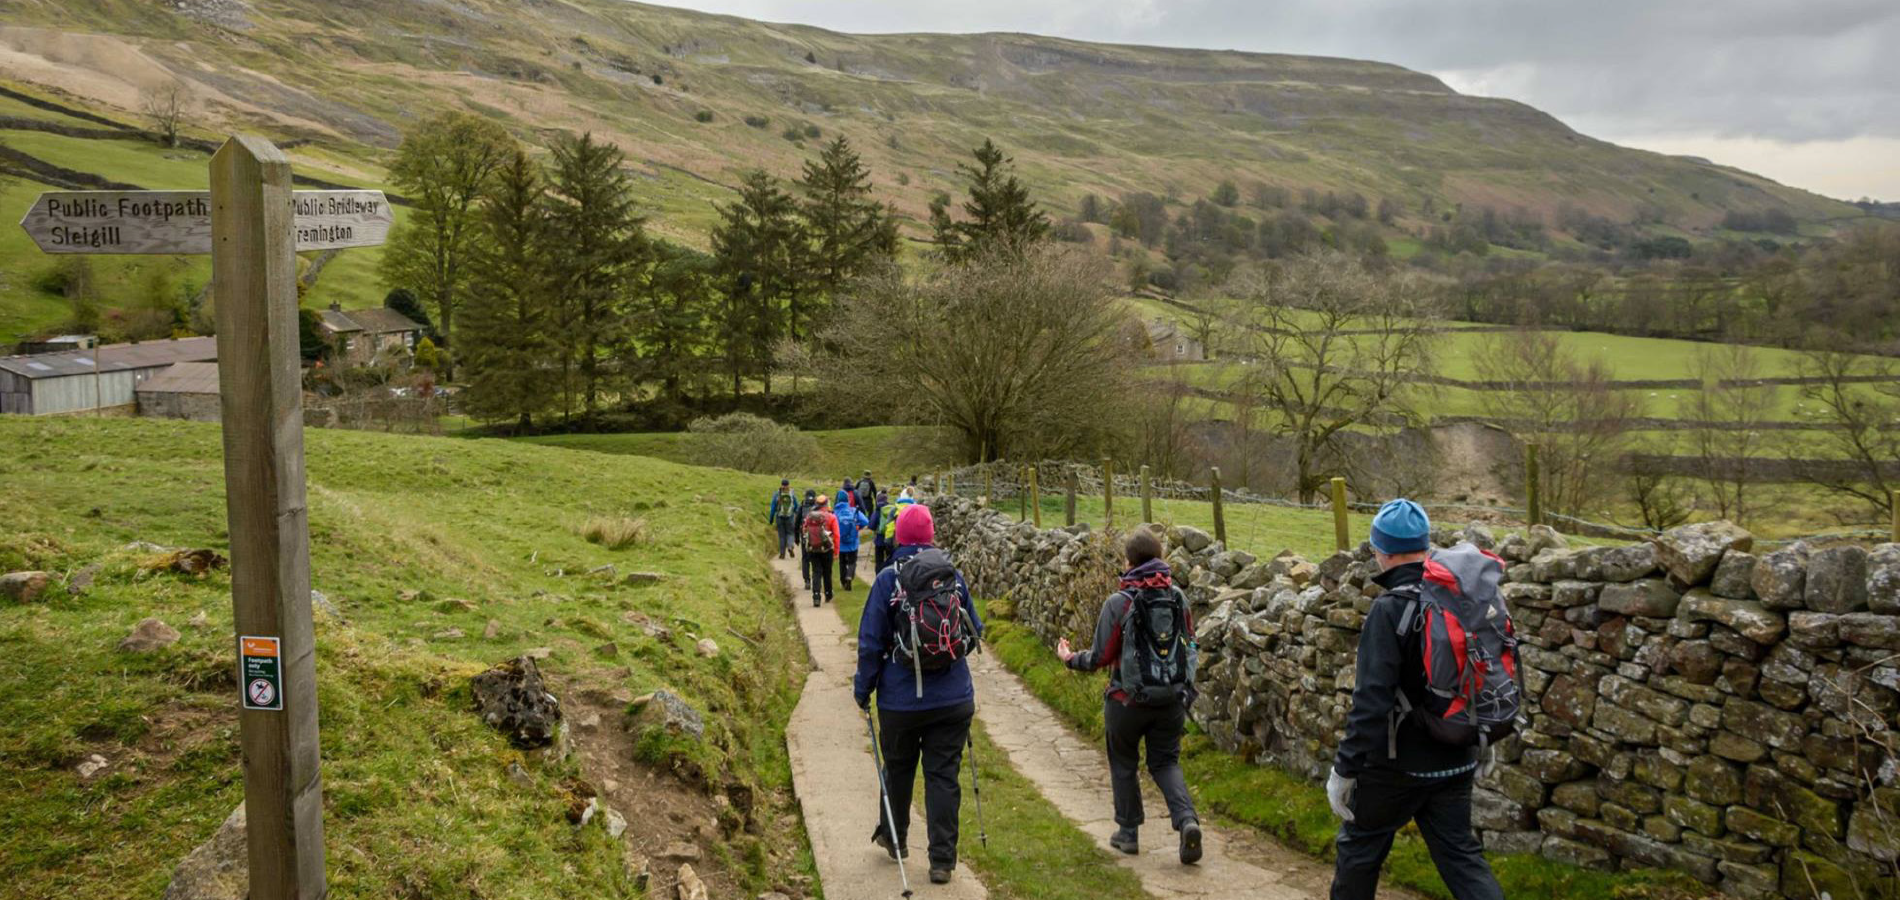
pixel 1339 794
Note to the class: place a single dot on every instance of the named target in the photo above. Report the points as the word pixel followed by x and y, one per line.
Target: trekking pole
pixel 976 783
pixel 884 791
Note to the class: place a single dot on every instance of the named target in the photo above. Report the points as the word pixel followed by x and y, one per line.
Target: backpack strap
pixel 1409 619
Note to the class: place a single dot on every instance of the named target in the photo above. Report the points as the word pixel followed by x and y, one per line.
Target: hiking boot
pixel 815 601
pixel 1126 840
pixel 884 840
pixel 1190 843
pixel 940 876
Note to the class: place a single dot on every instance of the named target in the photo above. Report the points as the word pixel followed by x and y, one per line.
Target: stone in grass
pixel 512 698
pixel 148 635
pixel 23 587
pixel 707 648
pixel 689 885
pixel 218 869
pixel 670 713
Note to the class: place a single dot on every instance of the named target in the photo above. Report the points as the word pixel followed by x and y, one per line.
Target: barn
pixel 187 390
pixel 102 380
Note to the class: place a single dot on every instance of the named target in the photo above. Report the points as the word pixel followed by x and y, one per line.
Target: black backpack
pixel 1158 655
pixel 933 630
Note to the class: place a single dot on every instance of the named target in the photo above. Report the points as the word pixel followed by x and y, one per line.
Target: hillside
pixel 424 587
pixel 1080 117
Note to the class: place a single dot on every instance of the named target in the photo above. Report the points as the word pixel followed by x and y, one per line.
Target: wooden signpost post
pixel 252 224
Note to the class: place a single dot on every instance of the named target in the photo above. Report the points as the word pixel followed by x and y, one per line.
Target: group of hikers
pixel 1435 685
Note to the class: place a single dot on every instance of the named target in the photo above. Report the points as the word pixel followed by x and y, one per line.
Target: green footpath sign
pixel 260 672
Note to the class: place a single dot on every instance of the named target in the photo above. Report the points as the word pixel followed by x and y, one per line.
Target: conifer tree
pixel 675 315
pixel 761 251
pixel 506 330
pixel 850 232
pixel 598 250
pixel 999 215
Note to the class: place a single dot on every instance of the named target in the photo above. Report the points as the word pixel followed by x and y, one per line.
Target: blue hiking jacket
pixel 849 521
pixel 892 681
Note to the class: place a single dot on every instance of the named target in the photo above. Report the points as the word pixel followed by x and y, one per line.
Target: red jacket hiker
pixel 822 515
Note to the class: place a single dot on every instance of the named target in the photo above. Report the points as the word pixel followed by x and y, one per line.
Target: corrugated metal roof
pixel 112 358
pixel 183 378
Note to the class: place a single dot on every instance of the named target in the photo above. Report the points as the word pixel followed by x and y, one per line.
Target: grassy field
pixel 418 800
pixel 1296 812
pixel 841 452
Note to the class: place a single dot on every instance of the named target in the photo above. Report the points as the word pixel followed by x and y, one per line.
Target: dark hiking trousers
pixel 934 737
pixel 820 574
pixel 847 568
pixel 787 536
pixel 1382 802
pixel 1161 728
pixel 882 557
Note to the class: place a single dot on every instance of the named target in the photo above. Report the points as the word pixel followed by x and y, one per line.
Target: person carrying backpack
pixel 784 514
pixel 1145 638
pixel 914 638
pixel 846 496
pixel 1422 714
pixel 820 535
pixel 880 544
pixel 850 523
pixel 804 556
pixel 866 492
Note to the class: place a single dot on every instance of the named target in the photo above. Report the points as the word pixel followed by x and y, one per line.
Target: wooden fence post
pixel 1220 515
pixel 1022 494
pixel 1035 497
pixel 1342 532
pixel 1108 493
pixel 1533 486
pixel 1073 478
pixel 1147 497
pixel 254 272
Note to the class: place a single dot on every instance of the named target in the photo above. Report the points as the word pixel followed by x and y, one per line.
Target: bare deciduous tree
pixel 1020 355
pixel 1730 412
pixel 1163 426
pixel 1335 345
pixel 164 104
pixel 1855 401
pixel 1564 405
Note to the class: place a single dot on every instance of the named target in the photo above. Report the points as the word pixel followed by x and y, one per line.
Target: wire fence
pixel 1080 492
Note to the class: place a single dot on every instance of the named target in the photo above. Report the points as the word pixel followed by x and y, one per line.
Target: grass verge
pixel 1295 812
pixel 1034 853
pixel 440 558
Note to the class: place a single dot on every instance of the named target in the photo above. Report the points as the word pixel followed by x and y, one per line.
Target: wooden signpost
pixel 252 224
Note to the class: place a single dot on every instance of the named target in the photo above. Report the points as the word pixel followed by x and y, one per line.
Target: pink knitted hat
pixel 915 526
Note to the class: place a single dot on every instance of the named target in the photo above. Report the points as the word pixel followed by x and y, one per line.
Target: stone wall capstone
pixel 1692 704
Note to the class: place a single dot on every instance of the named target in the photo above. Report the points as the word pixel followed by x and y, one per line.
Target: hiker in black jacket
pixel 1131 720
pixel 1381 780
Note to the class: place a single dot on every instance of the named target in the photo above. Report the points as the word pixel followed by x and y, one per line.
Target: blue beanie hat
pixel 1401 526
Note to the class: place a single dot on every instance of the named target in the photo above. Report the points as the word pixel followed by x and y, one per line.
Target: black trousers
pixel 1161 727
pixel 934 737
pixel 882 557
pixel 1381 804
pixel 847 568
pixel 820 563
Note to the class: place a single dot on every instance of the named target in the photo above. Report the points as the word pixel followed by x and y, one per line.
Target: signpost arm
pixel 254 268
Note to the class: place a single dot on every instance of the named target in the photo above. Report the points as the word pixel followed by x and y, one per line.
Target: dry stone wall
pixel 1692 704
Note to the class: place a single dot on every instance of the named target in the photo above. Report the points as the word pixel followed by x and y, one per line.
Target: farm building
pixel 359 336
pixel 1170 345
pixel 187 390
pixel 60 342
pixel 99 380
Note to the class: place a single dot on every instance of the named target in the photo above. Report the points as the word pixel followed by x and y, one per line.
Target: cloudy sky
pixel 1803 91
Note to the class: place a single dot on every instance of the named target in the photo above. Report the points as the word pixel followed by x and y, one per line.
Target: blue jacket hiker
pixel 849 522
pixel 924 724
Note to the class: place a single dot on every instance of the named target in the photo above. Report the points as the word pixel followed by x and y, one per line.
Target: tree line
pixel 544 284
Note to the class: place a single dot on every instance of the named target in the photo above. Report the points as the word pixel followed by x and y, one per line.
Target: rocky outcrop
pixel 218 869
pixel 512 698
pixel 1692 703
pixel 23 587
pixel 149 635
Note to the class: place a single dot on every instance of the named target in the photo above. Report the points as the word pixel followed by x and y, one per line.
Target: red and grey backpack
pixel 1468 646
pixel 933 630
